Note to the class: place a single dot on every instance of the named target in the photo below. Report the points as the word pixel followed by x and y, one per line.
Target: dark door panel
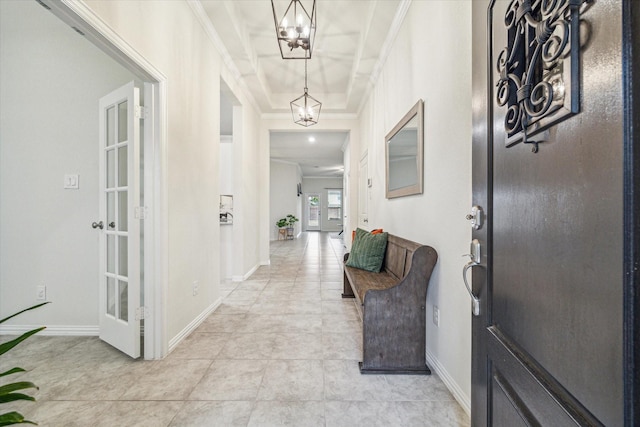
pixel 507 409
pixel 536 394
pixel 548 347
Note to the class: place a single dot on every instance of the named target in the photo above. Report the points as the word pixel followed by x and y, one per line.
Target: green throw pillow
pixel 367 251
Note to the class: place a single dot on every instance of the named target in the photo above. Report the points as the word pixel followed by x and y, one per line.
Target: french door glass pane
pixel 123 300
pixel 122 210
pixel 314 211
pixel 123 266
pixel 111 253
pixel 122 121
pixel 122 167
pixel 111 168
pixel 111 210
pixel 111 126
pixel 111 296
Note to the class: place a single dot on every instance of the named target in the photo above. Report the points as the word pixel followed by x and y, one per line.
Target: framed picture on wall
pixel 226 209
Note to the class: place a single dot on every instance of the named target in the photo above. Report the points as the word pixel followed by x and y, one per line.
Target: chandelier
pixel 305 108
pixel 296 30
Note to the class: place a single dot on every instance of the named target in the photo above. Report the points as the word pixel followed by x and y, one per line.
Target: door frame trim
pixel 80 17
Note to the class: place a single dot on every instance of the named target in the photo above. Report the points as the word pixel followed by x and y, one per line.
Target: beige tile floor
pixel 282 349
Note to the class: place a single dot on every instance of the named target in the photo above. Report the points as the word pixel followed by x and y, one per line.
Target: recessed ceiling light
pixel 312 139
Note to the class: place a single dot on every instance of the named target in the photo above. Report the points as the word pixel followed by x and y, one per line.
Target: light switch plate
pixel 41 293
pixel 71 182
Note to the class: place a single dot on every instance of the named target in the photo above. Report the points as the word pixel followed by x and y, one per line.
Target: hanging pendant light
pixel 295 30
pixel 305 108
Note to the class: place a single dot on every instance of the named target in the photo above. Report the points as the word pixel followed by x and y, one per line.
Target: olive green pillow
pixel 367 251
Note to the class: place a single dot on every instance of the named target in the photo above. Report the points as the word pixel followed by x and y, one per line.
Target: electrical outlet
pixel 195 288
pixel 41 293
pixel 436 315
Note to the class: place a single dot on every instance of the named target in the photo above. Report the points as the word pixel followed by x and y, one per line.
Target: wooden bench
pixel 391 305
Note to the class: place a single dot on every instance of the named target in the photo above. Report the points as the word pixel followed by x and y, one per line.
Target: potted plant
pixel 291 220
pixel 287 223
pixel 12 392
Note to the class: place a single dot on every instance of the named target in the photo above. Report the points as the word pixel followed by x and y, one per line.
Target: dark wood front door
pixel 555 342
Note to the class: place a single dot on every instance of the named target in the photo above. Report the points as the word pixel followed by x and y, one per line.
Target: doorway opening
pixel 152 207
pixel 313 211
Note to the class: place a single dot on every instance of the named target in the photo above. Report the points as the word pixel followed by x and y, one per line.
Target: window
pixel 334 204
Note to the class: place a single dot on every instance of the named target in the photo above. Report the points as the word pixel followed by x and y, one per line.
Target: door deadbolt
pixel 475 216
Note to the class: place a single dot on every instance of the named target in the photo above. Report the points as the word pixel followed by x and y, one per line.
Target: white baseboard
pixel 246 276
pixel 53 330
pixel 173 343
pixel 454 388
pixel 267 262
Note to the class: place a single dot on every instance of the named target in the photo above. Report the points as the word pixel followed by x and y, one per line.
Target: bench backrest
pixel 398 256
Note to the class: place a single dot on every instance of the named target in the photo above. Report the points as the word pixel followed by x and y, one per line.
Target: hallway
pixel 282 349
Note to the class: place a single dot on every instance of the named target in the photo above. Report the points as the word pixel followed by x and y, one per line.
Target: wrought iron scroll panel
pixel 538 73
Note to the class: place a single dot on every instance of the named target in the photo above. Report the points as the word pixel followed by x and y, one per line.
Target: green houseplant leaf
pixel 12 397
pixel 6 346
pixel 12 371
pixel 291 219
pixel 26 309
pixel 8 391
pixel 11 418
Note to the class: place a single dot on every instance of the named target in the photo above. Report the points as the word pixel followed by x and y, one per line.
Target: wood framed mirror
pixel 404 161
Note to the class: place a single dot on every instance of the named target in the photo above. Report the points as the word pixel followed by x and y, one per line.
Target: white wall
pixel 320 186
pixel 283 183
pixel 51 81
pixel 246 162
pixel 432 62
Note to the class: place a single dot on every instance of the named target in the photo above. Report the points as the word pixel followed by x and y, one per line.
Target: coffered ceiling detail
pixel 351 40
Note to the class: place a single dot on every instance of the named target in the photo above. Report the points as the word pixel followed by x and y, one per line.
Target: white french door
pixel 313 212
pixel 119 228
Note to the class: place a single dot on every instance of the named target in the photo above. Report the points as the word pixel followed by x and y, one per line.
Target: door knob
pixel 99 225
pixel 112 224
pixel 475 261
pixel 474 299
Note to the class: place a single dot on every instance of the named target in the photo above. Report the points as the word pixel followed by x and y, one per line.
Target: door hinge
pixel 141 112
pixel 140 212
pixel 142 313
